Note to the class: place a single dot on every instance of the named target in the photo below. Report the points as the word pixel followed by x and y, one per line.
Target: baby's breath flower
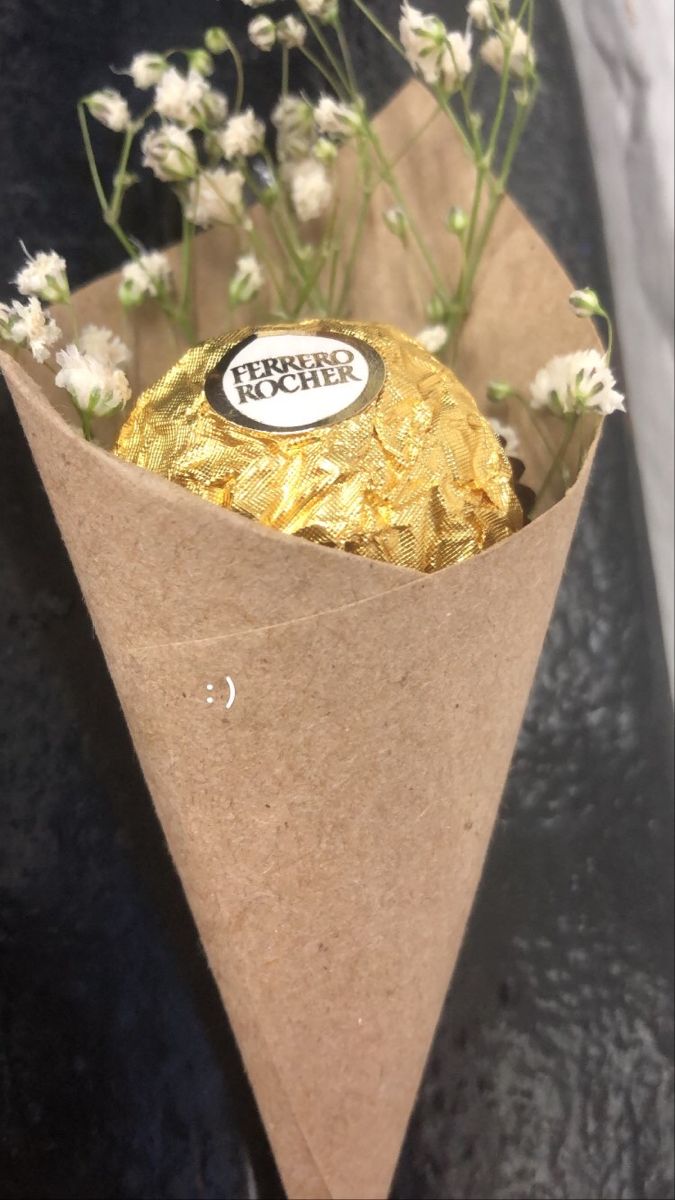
pixel 507 434
pixel 103 345
pixel 433 338
pixel 216 197
pixel 243 136
pixel 325 11
pixel 170 154
pixel 44 275
pixel 586 303
pixel 397 223
pixel 335 118
pixel 292 33
pixel 438 56
pixel 311 189
pixel 96 388
pixel 262 33
pixel 145 278
pixel 480 13
pixel 110 108
pixel 522 59
pixel 293 119
pixel 214 107
pixel 247 281
pixel 180 97
pixel 146 69
pixel 28 325
pixel 575 383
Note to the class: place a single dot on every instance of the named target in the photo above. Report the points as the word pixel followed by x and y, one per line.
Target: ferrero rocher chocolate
pixel 346 434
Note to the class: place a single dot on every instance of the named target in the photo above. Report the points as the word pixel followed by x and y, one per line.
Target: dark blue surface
pixel 551 1074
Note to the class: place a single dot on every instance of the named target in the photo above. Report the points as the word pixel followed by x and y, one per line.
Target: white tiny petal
pixel 292 33
pixel 94 386
pixel 522 58
pixel 333 117
pixel 110 108
pixel 575 383
pixel 44 275
pixel 30 326
pixel 146 277
pixel 180 98
pixel 146 69
pixel 322 10
pixel 508 434
pixel 103 345
pixel 170 153
pixel 216 197
pixel 243 136
pixel 311 189
pixel 479 13
pixel 262 33
pixel 433 338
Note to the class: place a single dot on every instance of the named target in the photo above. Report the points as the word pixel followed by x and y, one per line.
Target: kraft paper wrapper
pixel 329 829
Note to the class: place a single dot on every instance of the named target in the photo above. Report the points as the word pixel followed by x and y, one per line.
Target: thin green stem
pixel 346 58
pixel 572 422
pixel 323 70
pixel 118 192
pixel 391 180
pixel 285 71
pixel 91 158
pixel 377 24
pixel 329 53
pixel 239 68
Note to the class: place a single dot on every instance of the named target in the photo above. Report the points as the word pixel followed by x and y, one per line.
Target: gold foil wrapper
pixel 415 476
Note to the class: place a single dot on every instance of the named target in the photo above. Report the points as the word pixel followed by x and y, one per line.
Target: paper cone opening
pixel 325 738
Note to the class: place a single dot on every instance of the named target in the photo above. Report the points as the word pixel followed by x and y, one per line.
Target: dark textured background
pixel 551 1072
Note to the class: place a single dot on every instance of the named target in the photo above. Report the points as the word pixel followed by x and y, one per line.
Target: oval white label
pixel 295 382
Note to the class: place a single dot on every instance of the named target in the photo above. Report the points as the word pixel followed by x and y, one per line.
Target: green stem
pixel 393 183
pixel 323 70
pixel 184 315
pixel 556 466
pixel 239 68
pixel 285 71
pixel 346 58
pixel 91 159
pixel 330 55
pixel 118 193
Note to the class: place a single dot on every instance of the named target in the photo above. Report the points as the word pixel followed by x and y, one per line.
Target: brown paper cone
pixel 330 827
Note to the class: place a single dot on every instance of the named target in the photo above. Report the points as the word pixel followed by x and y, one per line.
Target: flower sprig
pixel 216 155
pixel 569 388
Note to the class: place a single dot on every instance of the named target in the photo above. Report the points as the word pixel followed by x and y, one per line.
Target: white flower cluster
pixel 28 325
pixel 442 59
pixel 91 366
pixel 575 383
pixel 148 277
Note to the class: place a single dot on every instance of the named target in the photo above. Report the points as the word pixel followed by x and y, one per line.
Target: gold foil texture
pixel 417 478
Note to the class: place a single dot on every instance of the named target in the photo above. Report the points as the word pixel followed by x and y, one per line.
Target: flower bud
pixel 457 220
pixel 262 33
pixel 585 303
pixel 498 392
pixel 397 223
pixel 325 150
pixel 201 61
pixel 216 40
